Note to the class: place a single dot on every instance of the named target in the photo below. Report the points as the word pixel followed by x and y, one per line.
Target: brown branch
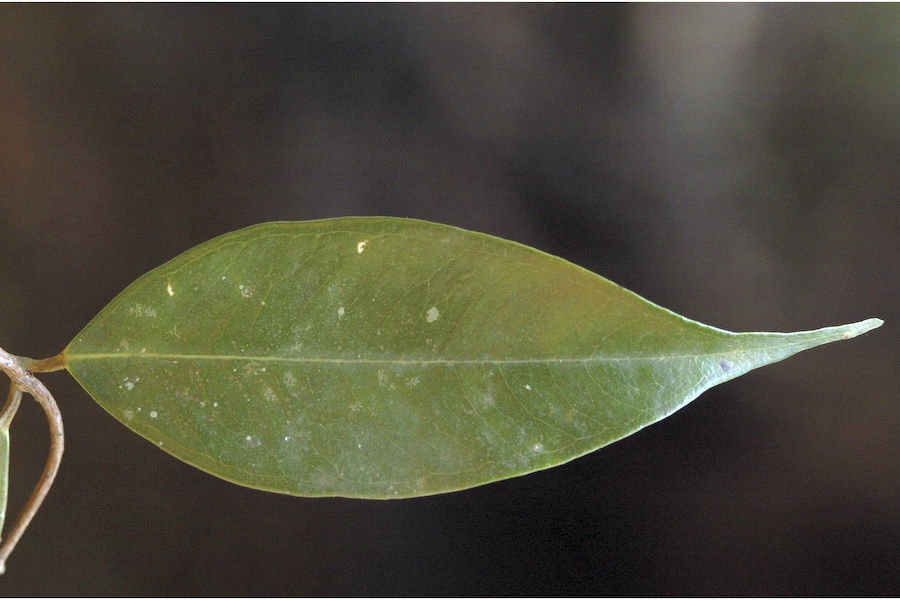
pixel 23 381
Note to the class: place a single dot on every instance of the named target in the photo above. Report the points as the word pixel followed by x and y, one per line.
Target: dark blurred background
pixel 738 164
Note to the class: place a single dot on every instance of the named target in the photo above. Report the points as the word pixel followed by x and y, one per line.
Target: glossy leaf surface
pixel 379 357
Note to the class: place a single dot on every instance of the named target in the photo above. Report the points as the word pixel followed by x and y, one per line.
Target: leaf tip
pixel 855 329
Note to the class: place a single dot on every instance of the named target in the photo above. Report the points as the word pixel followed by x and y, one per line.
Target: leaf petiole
pixel 11 406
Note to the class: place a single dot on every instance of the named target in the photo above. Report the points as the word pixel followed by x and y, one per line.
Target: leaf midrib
pixel 790 342
pixel 382 361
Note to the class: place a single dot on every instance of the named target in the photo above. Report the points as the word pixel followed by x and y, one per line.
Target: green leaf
pixel 4 473
pixel 378 357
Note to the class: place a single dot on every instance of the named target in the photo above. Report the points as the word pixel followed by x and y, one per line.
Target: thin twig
pixel 23 381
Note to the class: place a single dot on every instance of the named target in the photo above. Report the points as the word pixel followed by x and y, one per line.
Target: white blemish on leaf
pixel 412 382
pixel 289 379
pixel 253 368
pixel 128 384
pixel 169 289
pixel 340 312
pixel 527 387
pixel 142 310
pixel 432 315
pixel 252 442
pixel 246 290
pixel 361 246
pixel 538 447
pixel 215 405
pixel 153 414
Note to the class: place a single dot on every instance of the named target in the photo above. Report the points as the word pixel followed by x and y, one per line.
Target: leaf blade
pixel 4 473
pixel 380 358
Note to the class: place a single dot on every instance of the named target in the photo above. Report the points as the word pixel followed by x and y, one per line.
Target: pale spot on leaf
pixel 360 247
pixel 289 379
pixel 128 384
pixel 142 310
pixel 432 315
